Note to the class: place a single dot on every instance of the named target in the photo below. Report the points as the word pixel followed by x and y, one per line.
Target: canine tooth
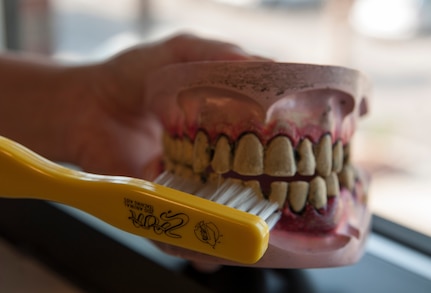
pixel 201 152
pixel 255 185
pixel 307 163
pixel 222 159
pixel 248 159
pixel 324 156
pixel 297 195
pixel 278 193
pixel 332 185
pixel 347 177
pixel 337 156
pixel 187 151
pixel 317 193
pixel 279 158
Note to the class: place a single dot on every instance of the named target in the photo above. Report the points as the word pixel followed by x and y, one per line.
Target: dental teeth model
pixel 282 129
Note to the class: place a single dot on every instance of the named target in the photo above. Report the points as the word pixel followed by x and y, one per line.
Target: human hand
pixel 114 132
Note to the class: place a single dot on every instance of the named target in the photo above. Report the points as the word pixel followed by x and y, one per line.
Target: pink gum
pixel 341 247
pixel 265 98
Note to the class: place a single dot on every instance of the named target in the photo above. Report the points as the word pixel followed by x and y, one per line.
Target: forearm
pixel 38 101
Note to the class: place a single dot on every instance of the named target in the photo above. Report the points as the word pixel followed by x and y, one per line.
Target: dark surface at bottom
pixel 97 263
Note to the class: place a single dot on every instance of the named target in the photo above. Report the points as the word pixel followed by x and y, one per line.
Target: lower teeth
pixel 296 191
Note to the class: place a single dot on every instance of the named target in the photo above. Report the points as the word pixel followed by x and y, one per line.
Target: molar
pixel 187 149
pixel 183 171
pixel 248 159
pixel 222 159
pixel 297 195
pixel 278 192
pixel 167 144
pixel 201 152
pixel 279 158
pixel 168 164
pixel 317 193
pixel 324 156
pixel 177 150
pixel 306 163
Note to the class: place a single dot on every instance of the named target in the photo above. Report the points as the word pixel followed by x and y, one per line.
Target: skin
pixel 93 115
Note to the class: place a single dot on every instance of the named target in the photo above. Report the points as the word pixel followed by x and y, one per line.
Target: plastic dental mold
pixel 284 130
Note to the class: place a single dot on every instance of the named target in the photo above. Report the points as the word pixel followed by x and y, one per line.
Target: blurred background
pixel 388 40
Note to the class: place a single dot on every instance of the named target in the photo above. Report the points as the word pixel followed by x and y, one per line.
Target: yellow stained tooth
pixel 248 159
pixel 187 151
pixel 255 185
pixel 177 150
pixel 236 181
pixel 201 152
pixel 297 195
pixel 317 193
pixel 279 158
pixel 337 156
pixel 216 178
pixel 324 156
pixel 347 177
pixel 306 163
pixel 332 185
pixel 346 154
pixel 167 145
pixel 183 171
pixel 168 164
pixel 278 193
pixel 222 159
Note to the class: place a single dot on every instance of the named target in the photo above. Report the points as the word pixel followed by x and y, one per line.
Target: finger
pixel 189 48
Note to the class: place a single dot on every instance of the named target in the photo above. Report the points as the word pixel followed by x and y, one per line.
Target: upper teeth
pixel 324 156
pixel 222 160
pixel 306 161
pixel 249 157
pixel 201 152
pixel 279 158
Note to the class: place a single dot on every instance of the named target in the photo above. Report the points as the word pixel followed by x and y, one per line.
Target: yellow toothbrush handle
pixel 137 206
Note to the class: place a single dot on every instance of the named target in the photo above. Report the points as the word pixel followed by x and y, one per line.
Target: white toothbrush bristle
pixel 228 193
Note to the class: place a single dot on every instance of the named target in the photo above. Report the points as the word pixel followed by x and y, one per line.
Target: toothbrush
pixel 220 224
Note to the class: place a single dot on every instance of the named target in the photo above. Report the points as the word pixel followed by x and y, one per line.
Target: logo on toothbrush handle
pixel 167 223
pixel 208 233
